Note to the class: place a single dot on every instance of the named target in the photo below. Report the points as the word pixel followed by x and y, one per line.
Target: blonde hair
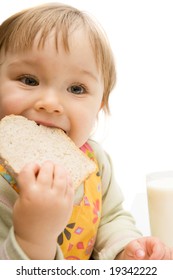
pixel 18 32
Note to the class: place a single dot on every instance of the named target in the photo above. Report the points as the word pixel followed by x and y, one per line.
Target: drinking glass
pixel 160 205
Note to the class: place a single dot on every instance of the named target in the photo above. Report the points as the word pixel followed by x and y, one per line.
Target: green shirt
pixel 116 229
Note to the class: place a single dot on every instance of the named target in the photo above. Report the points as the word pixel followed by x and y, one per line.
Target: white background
pixel 138 134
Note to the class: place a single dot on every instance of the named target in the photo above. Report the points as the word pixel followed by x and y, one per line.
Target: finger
pixel 46 174
pixel 70 188
pixel 61 180
pixel 69 181
pixel 135 250
pixel 158 251
pixel 27 176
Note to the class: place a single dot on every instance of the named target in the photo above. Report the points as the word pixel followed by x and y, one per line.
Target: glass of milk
pixel 160 205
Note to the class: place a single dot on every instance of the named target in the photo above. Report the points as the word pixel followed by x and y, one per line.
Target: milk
pixel 160 205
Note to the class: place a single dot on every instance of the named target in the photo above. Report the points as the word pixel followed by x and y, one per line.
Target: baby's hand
pixel 43 208
pixel 147 248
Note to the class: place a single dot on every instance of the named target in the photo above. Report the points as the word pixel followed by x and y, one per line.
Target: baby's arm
pixel 146 248
pixel 43 209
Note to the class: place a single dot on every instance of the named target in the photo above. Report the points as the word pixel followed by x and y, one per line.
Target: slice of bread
pixel 23 141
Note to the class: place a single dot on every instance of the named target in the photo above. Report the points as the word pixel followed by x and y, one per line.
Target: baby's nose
pixel 50 102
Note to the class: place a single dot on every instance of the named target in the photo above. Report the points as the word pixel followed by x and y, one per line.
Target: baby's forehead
pixel 61 38
pixel 75 50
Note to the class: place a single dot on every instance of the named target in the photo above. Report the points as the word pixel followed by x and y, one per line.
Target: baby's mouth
pixel 50 125
pixel 46 124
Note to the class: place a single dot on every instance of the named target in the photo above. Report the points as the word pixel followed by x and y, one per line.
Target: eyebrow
pixel 89 73
pixel 17 63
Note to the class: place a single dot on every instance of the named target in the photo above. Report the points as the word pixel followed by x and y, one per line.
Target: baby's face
pixel 54 88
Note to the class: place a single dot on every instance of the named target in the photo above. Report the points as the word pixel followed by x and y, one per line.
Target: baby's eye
pixel 77 89
pixel 29 80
